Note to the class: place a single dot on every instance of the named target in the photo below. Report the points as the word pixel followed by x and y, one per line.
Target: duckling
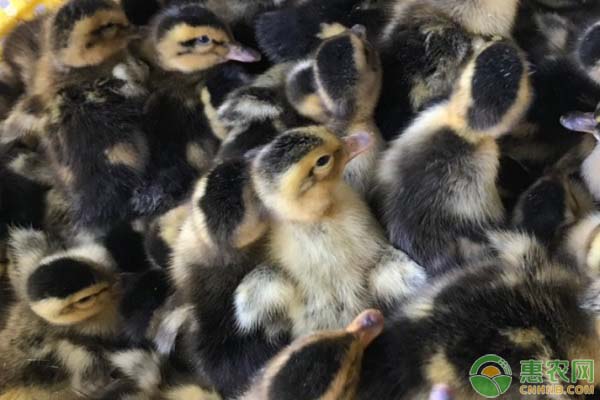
pixel 85 82
pixel 424 47
pixel 185 41
pixel 102 171
pixel 82 40
pixel 221 242
pixel 324 365
pixel 328 256
pixel 428 343
pixel 217 242
pixel 438 214
pixel 553 41
pixel 340 89
pixel 254 114
pixel 64 320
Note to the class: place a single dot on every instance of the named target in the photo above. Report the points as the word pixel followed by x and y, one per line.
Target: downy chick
pixel 99 152
pixel 217 242
pixel 437 191
pixel 329 255
pixel 559 46
pixel 340 88
pixel 324 365
pixel 519 305
pixel 185 41
pixel 88 97
pixel 424 47
pixel 64 320
pixel 221 243
pixel 81 41
pixel 561 197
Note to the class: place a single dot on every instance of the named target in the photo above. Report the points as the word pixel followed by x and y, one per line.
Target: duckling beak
pixel 367 326
pixel 357 143
pixel 581 122
pixel 237 52
pixel 441 392
pixel 360 31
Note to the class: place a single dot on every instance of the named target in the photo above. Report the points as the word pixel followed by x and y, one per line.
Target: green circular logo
pixel 491 376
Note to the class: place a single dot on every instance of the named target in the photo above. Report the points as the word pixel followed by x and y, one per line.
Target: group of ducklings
pixel 183 219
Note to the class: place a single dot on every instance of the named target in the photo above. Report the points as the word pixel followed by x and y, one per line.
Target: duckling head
pixel 494 91
pixel 297 174
pixel 348 75
pixel 85 33
pixel 226 209
pixel 189 38
pixel 325 365
pixel 64 288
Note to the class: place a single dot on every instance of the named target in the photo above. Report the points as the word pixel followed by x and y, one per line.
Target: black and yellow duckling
pixel 215 242
pixel 428 348
pixel 185 41
pixel 438 213
pixel 328 257
pixel 81 41
pixel 88 98
pixel 64 320
pixel 424 47
pixel 340 88
pixel 557 43
pixel 324 365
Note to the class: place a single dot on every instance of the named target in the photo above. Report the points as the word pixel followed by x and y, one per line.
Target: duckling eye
pixel 203 40
pixel 323 161
pixel 85 302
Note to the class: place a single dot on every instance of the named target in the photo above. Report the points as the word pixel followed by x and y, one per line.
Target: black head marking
pixel 60 278
pixel 72 12
pixel 223 202
pixel 286 150
pixel 190 14
pixel 309 372
pixel 589 50
pixel 495 85
pixel 336 67
pixel 302 84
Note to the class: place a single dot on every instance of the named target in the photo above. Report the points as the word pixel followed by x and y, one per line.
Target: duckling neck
pixel 347 238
